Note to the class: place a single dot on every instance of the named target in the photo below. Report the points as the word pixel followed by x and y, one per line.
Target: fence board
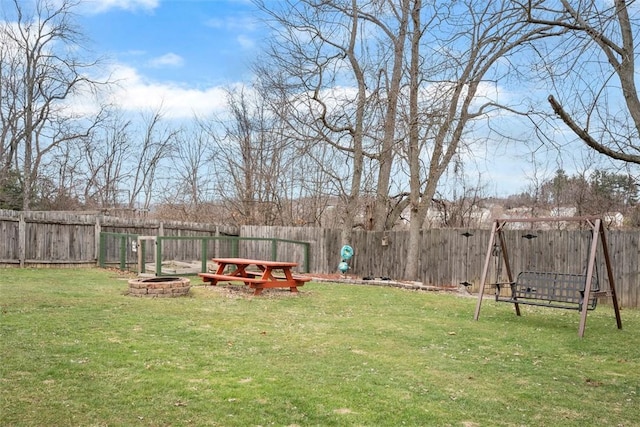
pixel 9 251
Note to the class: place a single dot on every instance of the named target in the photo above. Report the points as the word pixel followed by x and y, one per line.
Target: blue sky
pixel 174 53
pixel 198 41
pixel 179 54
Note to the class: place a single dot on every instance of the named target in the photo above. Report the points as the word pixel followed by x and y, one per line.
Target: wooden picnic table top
pixel 248 261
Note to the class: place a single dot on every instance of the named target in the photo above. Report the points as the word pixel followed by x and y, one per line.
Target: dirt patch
pixel 378 281
pixel 242 291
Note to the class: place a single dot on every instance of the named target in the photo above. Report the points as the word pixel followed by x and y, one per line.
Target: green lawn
pixel 76 351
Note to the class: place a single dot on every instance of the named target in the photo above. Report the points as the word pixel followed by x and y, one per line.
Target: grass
pixel 76 351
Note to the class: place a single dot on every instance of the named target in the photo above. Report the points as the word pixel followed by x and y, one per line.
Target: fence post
pixel 274 249
pixel 22 239
pixel 142 255
pixel 203 267
pixel 307 247
pixel 234 247
pixel 101 251
pixel 159 255
pixel 123 253
pixel 216 244
pixel 97 243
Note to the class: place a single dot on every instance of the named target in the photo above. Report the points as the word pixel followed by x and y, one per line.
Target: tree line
pixel 359 114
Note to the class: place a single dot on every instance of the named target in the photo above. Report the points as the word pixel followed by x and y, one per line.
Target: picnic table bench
pixel 267 274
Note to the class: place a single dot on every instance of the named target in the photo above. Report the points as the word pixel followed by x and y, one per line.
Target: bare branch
pixel 587 138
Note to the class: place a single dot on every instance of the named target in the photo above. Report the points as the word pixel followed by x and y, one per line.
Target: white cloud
pixel 246 42
pixel 131 92
pixel 170 59
pixel 99 6
pixel 134 93
pixel 234 23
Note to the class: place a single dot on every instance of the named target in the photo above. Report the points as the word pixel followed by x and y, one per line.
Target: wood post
pixel 22 240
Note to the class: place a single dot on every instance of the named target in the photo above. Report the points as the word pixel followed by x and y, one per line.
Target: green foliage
pixel 11 191
pixel 76 351
pixel 598 193
pixel 615 188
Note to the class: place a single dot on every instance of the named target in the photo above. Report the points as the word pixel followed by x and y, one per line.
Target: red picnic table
pixel 259 278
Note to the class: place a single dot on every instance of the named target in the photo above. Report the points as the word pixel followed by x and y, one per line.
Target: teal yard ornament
pixel 345 253
pixel 343 267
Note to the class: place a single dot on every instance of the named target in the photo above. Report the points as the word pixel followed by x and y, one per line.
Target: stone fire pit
pixel 159 287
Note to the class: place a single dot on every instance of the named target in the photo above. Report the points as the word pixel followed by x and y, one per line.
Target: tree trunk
pixel 387 152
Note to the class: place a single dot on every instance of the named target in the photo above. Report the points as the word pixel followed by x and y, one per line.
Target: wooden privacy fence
pixel 447 256
pixel 453 256
pixel 69 238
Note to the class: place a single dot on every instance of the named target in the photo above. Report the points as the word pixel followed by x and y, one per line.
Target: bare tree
pixel 156 146
pixel 190 186
pixel 106 152
pixel 396 31
pixel 480 35
pixel 40 69
pixel 61 179
pixel 251 160
pixel 592 70
pixel 294 76
pixel 123 160
pixel 409 74
pixel 460 206
pixel 343 62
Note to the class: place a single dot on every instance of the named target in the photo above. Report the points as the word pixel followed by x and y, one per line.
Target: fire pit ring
pixel 159 287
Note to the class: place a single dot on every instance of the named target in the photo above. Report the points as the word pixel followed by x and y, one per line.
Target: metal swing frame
pixel 598 233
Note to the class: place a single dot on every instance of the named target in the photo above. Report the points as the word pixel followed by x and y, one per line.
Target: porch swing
pixel 550 289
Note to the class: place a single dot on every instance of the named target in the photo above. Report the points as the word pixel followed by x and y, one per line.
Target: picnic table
pixel 257 274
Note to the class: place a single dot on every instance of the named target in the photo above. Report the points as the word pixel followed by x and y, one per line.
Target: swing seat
pixel 556 290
